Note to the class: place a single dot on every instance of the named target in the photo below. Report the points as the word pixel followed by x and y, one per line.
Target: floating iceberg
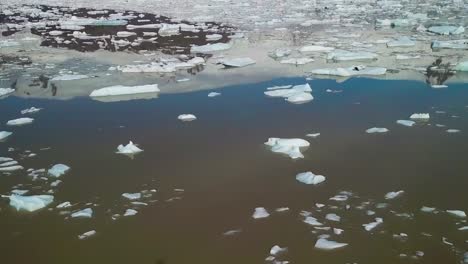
pixel 401 42
pixel 276 250
pixel 30 203
pixel 377 130
pixel 324 244
pixel 450 44
pixel 333 217
pixel 209 48
pixel 371 226
pixel 426 209
pixel 420 116
pixel 315 48
pixel 343 55
pixel 451 130
pixel 457 213
pixel 31 110
pixel 69 77
pixel 85 213
pixel 125 90
pixel 313 135
pixel 260 212
pixel 407 123
pixel 288 146
pixel 446 30
pixel 130 212
pixel 58 170
pixel 393 195
pixel 186 117
pixel 297 61
pixel 351 71
pixel 310 220
pixel 11 168
pixel 87 234
pixel 214 94
pixel 131 196
pixel 130 148
pixel 64 205
pixel 462 66
pixel 237 62
pixel 5 91
pixel 297 94
pixel 20 121
pixel 310 178
pixel 4 135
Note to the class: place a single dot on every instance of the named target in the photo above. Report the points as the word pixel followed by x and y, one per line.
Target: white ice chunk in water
pixel 310 178
pixel 237 62
pixel 371 226
pixel 407 123
pixel 457 213
pixel 451 130
pixel 30 203
pixel 132 196
pixel 401 42
pixel 5 91
pixel 310 220
pixel 446 30
pixel 186 117
pixel 393 195
pixel 333 217
pixel 297 94
pixel 313 135
pixel 4 135
pixel 324 244
pixel 58 170
pixel 276 250
pixel 315 48
pixel 426 209
pixel 128 149
pixel 214 94
pixel 288 146
pixel 64 205
pixel 209 48
pixel 351 71
pixel 337 231
pixel 377 130
pixel 124 90
pixel 297 61
pixel 343 55
pixel 69 77
pixel 11 168
pixel 260 212
pixel 420 116
pixel 31 110
pixel 20 121
pixel 130 212
pixel 85 213
pixel 87 234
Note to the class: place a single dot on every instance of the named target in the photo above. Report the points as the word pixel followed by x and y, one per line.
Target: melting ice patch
pixel 260 212
pixel 4 135
pixel 407 123
pixel 457 213
pixel 420 116
pixel 30 203
pixel 377 130
pixel 58 170
pixel 125 90
pixel 324 244
pixel 214 94
pixel 31 110
pixel 186 117
pixel 276 250
pixel 372 225
pixel 310 178
pixel 128 149
pixel 87 234
pixel 69 77
pixel 130 212
pixel 132 196
pixel 237 62
pixel 351 71
pixel 393 195
pixel 297 94
pixel 288 146
pixel 5 91
pixel 209 48
pixel 85 213
pixel 20 121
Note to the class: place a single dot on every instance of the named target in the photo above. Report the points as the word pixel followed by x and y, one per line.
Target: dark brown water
pixel 226 171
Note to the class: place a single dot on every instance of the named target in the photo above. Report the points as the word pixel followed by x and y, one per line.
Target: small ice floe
pixel 31 110
pixel 186 117
pixel 130 212
pixel 19 192
pixel 445 241
pixel 351 71
pixel 125 34
pixel 11 168
pixel 319 205
pixel 117 90
pixel 393 195
pixel 447 30
pixel 401 42
pixel 9 163
pixel 232 232
pixel 55 183
pixel 183 80
pixel 128 149
pixel 282 209
pixel 407 123
pixel 5 91
pixel 344 55
pixel 407 57
pixel 297 61
pixel 85 213
pixel 315 48
pixel 371 226
pixel 20 121
pixel 64 205
pixel 449 44
pixel 4 135
pixel 297 94
pixel 132 196
pixel 210 48
pixel 280 53
pixel 310 220
pixel 87 234
pixel 338 231
pixel 420 116
pixel 213 37
pixel 313 135
pixel 69 77
pixel 438 86
pixel 325 244
pixel 426 209
pixel 453 130
pixel 214 94
pixel 457 213
pixel 30 203
pixel 288 146
pixel 377 130
pixel 237 62
pixel 260 212
pixel 333 217
pixel 310 178
pixel 277 250
pixel 58 170
pixel 463 228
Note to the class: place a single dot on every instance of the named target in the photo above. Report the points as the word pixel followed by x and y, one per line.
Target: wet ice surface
pixel 196 181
